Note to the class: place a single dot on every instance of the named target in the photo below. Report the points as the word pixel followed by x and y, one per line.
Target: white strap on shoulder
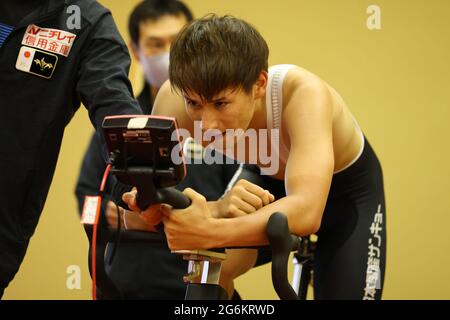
pixel 274 103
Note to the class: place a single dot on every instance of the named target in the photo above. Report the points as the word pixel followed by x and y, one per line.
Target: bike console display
pixel 145 152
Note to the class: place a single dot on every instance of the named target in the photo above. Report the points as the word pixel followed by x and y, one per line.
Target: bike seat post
pixel 203 274
pixel 303 265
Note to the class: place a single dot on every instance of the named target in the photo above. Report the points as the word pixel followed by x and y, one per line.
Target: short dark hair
pixel 217 53
pixel 153 10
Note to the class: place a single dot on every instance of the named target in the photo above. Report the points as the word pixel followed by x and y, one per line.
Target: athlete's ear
pixel 260 85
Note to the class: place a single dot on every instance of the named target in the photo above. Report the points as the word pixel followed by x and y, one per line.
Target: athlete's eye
pixel 191 103
pixel 220 104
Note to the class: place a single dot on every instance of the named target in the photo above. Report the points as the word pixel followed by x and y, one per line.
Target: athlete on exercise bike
pixel 329 175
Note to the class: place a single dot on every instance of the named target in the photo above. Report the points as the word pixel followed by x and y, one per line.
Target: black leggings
pixel 351 248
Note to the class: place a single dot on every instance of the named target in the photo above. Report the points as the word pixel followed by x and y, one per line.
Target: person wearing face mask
pixel 141 271
pixel 156 68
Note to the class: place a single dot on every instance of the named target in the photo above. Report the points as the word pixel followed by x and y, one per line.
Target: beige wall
pixel 396 82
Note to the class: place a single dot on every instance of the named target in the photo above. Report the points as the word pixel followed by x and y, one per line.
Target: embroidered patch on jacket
pixel 51 40
pixel 36 62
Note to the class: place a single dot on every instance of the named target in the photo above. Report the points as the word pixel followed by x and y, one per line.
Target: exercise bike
pixel 145 152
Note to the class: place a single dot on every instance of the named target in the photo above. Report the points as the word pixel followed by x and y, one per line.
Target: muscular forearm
pixel 250 230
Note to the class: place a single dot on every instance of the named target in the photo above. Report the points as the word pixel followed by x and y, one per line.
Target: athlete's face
pixel 232 108
pixel 228 111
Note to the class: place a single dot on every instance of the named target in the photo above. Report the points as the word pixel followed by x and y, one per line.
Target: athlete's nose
pixel 210 121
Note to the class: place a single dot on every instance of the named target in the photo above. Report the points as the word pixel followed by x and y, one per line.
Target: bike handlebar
pixel 173 197
pixel 170 196
pixel 282 243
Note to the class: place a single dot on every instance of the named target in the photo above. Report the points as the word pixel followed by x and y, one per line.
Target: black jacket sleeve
pixel 103 84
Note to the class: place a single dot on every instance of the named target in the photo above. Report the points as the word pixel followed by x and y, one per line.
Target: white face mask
pixel 156 68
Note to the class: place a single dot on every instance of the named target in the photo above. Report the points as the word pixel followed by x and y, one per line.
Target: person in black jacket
pixel 141 271
pixel 54 54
